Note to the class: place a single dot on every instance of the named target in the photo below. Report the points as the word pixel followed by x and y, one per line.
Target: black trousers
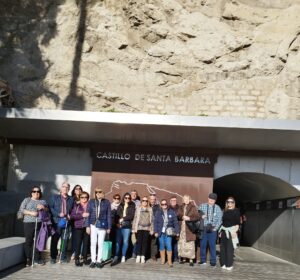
pixel 29 239
pixel 226 250
pixel 81 238
pixel 59 233
pixel 153 247
pixel 142 238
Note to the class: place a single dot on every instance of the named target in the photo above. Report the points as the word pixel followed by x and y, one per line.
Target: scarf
pixel 115 205
pixel 84 205
pixel 64 204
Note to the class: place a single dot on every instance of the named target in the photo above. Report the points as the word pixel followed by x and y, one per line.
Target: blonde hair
pixel 186 196
pixel 98 189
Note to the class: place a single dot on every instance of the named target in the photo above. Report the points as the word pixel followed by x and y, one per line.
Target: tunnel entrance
pixel 272 210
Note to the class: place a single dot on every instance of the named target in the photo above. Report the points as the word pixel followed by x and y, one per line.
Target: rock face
pixel 189 57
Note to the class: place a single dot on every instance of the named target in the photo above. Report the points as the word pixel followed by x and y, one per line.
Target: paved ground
pixel 250 264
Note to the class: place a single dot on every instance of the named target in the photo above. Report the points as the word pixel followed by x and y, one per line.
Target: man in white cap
pixel 212 221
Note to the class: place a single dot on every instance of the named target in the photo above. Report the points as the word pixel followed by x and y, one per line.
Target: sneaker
pixel 53 261
pixel 133 256
pixel 39 262
pixel 28 262
pixel 138 259
pixel 203 263
pixel 123 259
pixel 229 268
pixel 92 265
pixel 213 265
pixel 63 261
pixel 73 256
pixel 143 259
pixel 223 266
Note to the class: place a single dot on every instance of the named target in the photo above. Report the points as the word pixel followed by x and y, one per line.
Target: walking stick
pixel 34 242
pixel 62 243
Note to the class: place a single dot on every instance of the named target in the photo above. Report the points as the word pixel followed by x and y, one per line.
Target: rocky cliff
pixel 189 57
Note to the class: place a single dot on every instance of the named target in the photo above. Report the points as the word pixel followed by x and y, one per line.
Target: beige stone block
pixel 236 103
pixel 255 92
pixel 216 108
pixel 248 97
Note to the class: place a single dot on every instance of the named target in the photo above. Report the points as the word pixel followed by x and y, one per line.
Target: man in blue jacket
pixel 60 206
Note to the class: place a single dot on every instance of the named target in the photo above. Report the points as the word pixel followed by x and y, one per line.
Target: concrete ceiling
pixel 251 187
pixel 145 129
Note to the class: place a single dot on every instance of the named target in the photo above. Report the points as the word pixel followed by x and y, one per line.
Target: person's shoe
pixel 123 259
pixel 181 261
pixel 223 266
pixel 229 268
pixel 138 259
pixel 203 263
pixel 78 263
pixel 213 265
pixel 53 261
pixel 73 256
pixel 133 256
pixel 115 261
pixel 39 262
pixel 99 264
pixel 28 262
pixel 63 261
pixel 86 262
pixel 143 259
pixel 191 264
pixel 154 259
pixel 92 265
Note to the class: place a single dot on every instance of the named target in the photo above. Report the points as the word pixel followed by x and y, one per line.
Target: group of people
pixel 149 227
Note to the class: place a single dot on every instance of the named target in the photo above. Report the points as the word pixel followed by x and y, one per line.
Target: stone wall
pixel 233 58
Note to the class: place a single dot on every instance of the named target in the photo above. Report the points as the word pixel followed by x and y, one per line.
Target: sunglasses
pixel 126 197
pixel 98 192
pixel 230 202
pixel 144 200
pixel 36 191
pixel 117 198
pixel 84 197
pixel 163 204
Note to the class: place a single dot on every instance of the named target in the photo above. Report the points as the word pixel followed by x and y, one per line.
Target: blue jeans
pixel 122 236
pixel 211 239
pixel 165 242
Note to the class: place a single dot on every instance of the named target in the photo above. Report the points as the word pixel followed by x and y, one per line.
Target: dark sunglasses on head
pixel 84 197
pixel 36 191
pixel 230 202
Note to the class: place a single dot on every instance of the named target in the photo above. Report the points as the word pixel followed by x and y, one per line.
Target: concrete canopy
pixel 146 129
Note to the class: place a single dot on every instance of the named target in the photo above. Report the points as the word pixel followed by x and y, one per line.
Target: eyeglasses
pixel 163 204
pixel 117 198
pixel 230 202
pixel 144 200
pixel 98 192
pixel 84 197
pixel 36 191
pixel 127 197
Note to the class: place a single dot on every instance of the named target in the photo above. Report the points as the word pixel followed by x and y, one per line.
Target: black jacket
pixel 128 218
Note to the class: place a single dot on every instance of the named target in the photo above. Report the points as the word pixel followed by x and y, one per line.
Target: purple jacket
pixel 45 231
pixel 76 216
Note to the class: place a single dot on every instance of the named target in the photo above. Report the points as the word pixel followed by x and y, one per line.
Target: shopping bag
pixel 107 248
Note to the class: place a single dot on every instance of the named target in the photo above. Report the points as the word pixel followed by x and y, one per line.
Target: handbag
pixel 20 215
pixel 62 223
pixel 107 250
pixel 170 231
pixel 194 226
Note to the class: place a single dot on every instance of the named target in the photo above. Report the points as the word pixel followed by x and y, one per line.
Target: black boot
pixel 77 262
pixel 115 261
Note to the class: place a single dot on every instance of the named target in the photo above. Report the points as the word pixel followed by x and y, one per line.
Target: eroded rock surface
pixel 209 57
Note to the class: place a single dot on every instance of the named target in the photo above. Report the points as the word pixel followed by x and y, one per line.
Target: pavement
pixel 249 264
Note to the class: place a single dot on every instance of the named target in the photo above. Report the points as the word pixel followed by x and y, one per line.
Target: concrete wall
pixel 286 169
pixel 4 155
pixel 48 167
pixel 276 232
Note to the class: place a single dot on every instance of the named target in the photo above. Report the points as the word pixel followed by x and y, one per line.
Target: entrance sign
pixel 164 171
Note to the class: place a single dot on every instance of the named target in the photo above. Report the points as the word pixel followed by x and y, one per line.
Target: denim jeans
pixel 165 242
pixel 122 236
pixel 211 239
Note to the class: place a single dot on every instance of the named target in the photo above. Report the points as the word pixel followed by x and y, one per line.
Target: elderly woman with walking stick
pixel 29 212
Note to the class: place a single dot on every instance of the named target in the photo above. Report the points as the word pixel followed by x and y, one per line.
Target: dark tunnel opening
pixel 270 206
